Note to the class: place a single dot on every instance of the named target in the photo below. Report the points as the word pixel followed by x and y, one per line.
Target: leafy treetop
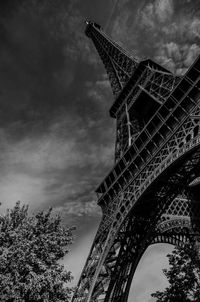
pixel 183 275
pixel 30 247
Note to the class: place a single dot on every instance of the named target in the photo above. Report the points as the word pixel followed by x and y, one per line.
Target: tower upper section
pixel 140 87
pixel 119 65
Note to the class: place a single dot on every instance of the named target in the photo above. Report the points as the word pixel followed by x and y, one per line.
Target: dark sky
pixel 56 136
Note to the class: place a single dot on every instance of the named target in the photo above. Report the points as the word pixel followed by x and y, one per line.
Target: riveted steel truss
pixel 155 84
pixel 147 198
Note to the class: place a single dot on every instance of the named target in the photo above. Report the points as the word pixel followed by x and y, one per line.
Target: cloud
pixel 166 31
pixel 164 9
pixel 18 186
pixel 61 166
pixel 194 28
pixel 192 53
pixel 156 12
pixel 100 93
pixel 177 57
pixel 176 40
pixel 147 16
pixel 89 208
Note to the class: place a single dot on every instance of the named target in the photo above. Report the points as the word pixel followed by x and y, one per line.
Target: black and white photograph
pixel 99 151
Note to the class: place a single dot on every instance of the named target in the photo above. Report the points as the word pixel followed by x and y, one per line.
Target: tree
pixel 183 276
pixel 30 248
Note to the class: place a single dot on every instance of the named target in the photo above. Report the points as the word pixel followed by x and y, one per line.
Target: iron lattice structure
pixel 151 194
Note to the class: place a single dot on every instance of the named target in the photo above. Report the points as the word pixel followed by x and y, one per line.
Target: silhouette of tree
pixel 30 247
pixel 183 276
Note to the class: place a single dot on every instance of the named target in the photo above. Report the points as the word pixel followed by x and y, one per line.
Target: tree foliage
pixel 30 247
pixel 183 276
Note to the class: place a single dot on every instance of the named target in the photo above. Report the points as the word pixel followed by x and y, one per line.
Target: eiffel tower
pixel 151 194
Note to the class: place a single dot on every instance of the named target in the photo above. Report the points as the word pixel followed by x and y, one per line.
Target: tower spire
pixel 118 63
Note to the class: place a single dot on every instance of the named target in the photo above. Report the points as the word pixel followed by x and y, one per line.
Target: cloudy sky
pixel 56 136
